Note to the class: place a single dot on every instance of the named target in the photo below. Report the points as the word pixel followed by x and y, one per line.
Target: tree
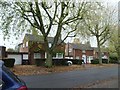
pixel 113 42
pixel 46 17
pixel 97 23
pixel 10 50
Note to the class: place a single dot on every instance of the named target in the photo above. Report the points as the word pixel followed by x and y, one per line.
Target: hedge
pixel 9 62
pixel 41 62
pixel 96 61
pixel 113 59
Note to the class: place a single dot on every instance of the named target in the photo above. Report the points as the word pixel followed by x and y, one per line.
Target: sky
pixel 12 42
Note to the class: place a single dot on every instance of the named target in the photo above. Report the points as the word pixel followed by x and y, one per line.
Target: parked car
pixel 69 63
pixel 8 80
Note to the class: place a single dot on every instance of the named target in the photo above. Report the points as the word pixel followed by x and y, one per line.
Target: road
pixel 72 78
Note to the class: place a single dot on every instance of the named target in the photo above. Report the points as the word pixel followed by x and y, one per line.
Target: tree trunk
pixel 48 62
pixel 99 51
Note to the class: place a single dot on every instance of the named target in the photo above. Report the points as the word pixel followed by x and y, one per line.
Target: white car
pixel 69 63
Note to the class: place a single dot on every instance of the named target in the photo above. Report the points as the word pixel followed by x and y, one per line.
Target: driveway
pixel 72 78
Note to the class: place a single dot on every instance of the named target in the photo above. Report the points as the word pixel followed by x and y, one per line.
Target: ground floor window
pixel 89 58
pixel 59 55
pixel 77 57
pixel 37 55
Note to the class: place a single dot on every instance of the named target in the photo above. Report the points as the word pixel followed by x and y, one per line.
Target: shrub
pixel 95 61
pixel 113 59
pixel 40 62
pixel 9 62
pixel 105 61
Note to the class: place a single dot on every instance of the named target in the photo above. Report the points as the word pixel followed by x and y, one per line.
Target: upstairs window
pixel 23 45
pixel 83 51
pixel 26 44
pixel 50 45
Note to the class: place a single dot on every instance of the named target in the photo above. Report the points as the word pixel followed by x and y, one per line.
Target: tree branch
pixel 39 16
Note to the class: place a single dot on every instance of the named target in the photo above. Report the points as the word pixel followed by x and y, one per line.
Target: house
pixel 79 51
pixel 83 51
pixel 18 56
pixel 34 45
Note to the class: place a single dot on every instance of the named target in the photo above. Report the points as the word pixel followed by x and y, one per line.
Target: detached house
pixel 34 46
pixel 79 51
pixel 83 51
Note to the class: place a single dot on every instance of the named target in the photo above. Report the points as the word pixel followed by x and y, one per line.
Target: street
pixel 72 79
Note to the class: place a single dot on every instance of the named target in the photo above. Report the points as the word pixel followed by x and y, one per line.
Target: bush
pixel 40 62
pixel 59 62
pixel 77 61
pixel 105 61
pixel 113 59
pixel 96 61
pixel 9 62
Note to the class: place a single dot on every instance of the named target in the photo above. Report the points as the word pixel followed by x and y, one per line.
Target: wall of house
pixel 77 54
pixel 68 53
pixel 23 47
pixel 89 52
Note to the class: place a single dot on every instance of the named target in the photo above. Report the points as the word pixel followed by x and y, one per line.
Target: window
pixel 77 57
pixel 50 44
pixel 59 55
pixel 83 51
pixel 37 55
pixel 25 56
pixel 70 49
pixel 23 45
pixel 26 44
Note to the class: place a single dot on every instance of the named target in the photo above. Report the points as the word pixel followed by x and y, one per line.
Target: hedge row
pixel 96 61
pixel 9 62
pixel 41 62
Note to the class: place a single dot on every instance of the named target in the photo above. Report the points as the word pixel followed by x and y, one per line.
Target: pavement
pixel 74 79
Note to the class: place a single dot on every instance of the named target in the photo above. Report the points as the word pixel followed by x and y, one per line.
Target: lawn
pixel 34 70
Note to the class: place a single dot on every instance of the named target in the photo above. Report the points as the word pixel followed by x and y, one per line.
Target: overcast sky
pixel 12 42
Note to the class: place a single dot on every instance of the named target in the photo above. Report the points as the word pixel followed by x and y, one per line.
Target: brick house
pixel 79 51
pixel 34 45
pixel 83 51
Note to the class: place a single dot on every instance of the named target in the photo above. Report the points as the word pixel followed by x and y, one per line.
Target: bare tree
pixel 97 23
pixel 46 17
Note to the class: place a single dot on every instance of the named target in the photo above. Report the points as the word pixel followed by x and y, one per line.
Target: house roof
pixel 39 38
pixel 82 46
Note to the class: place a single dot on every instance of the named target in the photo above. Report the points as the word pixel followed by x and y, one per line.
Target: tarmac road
pixel 72 79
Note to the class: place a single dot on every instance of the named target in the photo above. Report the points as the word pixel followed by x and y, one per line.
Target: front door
pixel 84 58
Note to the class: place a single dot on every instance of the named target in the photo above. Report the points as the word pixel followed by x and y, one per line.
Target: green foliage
pixel 113 58
pixel 95 61
pixel 10 50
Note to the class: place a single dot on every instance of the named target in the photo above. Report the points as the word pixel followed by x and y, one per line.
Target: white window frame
pixel 77 57
pixel 25 56
pixel 59 55
pixel 23 45
pixel 83 51
pixel 50 44
pixel 27 44
pixel 37 56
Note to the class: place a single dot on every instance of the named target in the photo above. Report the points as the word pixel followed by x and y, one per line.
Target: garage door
pixel 18 59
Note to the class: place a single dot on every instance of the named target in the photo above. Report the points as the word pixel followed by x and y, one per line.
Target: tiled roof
pixel 38 38
pixel 82 46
